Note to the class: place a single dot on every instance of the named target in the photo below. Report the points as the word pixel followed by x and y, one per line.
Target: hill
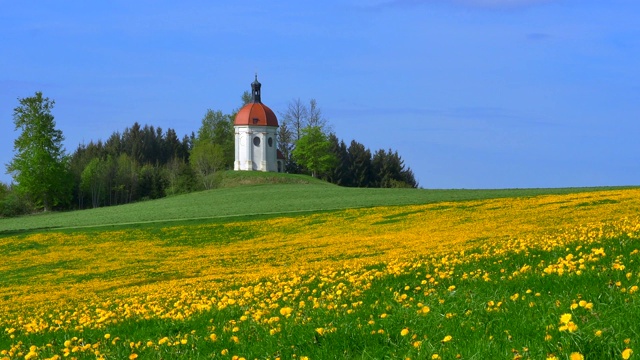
pixel 549 276
pixel 255 194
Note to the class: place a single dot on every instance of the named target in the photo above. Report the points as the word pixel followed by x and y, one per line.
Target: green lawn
pixel 257 194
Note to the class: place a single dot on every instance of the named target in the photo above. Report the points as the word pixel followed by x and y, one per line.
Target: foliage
pixel 207 160
pixel 217 128
pixel 389 171
pixel 360 164
pixel 93 180
pixel 12 203
pixel 312 151
pixel 118 171
pixel 181 177
pixel 39 166
pixel 144 162
pixel 480 279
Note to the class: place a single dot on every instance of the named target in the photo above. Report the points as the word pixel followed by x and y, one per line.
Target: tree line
pixel 146 162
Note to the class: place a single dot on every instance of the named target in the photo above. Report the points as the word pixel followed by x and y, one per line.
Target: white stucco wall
pixel 258 155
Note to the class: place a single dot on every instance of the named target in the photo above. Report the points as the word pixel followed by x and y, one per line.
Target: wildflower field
pixel 540 277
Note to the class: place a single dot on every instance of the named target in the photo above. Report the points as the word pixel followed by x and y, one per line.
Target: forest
pixel 144 162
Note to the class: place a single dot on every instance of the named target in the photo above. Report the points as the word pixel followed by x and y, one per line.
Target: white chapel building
pixel 255 136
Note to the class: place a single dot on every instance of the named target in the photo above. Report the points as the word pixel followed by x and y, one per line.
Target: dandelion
pixel 565 318
pixel 447 338
pixel 404 332
pixel 133 356
pixel 213 337
pixel 626 353
pixel 576 356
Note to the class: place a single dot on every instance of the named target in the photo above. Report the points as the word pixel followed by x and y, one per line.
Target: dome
pixel 256 113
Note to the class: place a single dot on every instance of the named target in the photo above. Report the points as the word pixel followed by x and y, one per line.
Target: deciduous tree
pixel 39 166
pixel 207 159
pixel 313 151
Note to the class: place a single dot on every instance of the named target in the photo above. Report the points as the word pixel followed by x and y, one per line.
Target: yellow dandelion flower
pixel 626 353
pixel 224 352
pixel 213 337
pixel 320 330
pixel 435 356
pixel 447 338
pixel 133 356
pixel 565 318
pixel 107 336
pixel 598 333
pixel 576 356
pixel 417 344
pixel 404 332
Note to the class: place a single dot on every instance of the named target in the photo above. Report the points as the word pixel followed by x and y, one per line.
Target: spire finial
pixel 255 90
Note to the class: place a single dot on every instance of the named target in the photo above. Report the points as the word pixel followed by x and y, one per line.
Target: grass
pixel 548 276
pixel 254 195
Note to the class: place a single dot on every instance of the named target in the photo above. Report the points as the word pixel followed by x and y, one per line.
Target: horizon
pixel 473 94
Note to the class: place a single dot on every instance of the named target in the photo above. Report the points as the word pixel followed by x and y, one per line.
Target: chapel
pixel 255 127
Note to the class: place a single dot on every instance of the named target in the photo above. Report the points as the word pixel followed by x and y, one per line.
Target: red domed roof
pixel 256 113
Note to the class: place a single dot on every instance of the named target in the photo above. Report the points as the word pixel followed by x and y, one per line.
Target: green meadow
pixel 248 195
pixel 287 267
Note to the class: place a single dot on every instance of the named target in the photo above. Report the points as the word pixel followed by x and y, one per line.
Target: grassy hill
pixel 533 277
pixel 254 194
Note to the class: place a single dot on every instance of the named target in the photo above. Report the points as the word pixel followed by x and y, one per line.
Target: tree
pixel 359 164
pixel 315 117
pixel 207 159
pixel 285 145
pixel 339 174
pixel 313 151
pixel 389 171
pixel 217 128
pixel 93 180
pixel 296 118
pixel 39 166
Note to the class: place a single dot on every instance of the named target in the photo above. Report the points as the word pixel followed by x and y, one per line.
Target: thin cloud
pixel 538 36
pixel 490 4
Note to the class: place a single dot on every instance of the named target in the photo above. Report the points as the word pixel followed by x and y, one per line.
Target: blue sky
pixel 472 93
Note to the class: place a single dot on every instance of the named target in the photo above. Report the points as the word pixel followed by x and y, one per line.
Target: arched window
pixel 256 141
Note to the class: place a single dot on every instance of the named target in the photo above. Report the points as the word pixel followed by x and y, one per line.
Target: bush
pixel 12 203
